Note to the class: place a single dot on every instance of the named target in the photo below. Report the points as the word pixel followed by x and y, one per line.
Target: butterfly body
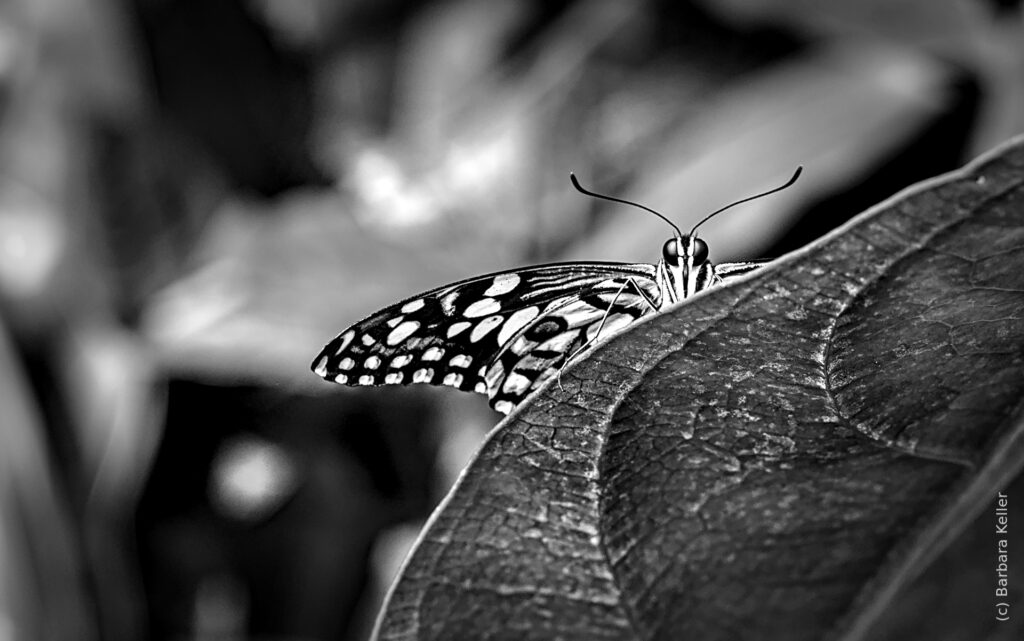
pixel 505 334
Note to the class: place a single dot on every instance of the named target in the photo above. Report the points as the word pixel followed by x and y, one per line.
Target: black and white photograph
pixel 511 320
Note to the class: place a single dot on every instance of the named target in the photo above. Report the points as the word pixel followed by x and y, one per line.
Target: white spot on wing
pixel 368 340
pixel 502 284
pixel 516 322
pixel 493 375
pixel 394 378
pixel 346 338
pixel 373 362
pixel 482 307
pixel 484 327
pixel 458 328
pixel 400 361
pixel 462 360
pixel 394 321
pixel 341 378
pixel 412 306
pixel 366 379
pixel 321 367
pixel 454 379
pixel 516 384
pixel 520 346
pixel 448 302
pixel 559 343
pixel 402 332
pixel 617 297
pixel 504 407
pixel 423 375
pixel 433 354
pixel 480 388
pixel 581 313
pixel 346 363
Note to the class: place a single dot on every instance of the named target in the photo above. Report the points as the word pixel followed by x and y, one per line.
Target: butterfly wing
pixel 453 335
pixel 543 348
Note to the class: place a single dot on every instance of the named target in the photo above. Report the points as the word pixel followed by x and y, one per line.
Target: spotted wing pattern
pixel 502 334
pixel 538 352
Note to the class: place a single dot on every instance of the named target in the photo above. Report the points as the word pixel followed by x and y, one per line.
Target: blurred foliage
pixel 196 195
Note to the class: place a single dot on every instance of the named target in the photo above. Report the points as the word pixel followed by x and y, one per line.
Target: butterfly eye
pixel 700 251
pixel 670 251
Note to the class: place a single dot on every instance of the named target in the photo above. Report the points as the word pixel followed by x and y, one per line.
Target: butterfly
pixel 507 333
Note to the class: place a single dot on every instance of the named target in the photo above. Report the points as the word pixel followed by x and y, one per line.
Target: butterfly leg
pixel 639 290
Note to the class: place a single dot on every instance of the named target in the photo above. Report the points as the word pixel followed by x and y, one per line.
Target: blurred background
pixel 196 195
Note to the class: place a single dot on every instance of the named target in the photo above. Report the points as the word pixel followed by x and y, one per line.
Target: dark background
pixel 197 194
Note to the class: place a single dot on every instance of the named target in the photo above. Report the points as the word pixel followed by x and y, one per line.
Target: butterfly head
pixel 684 263
pixel 680 251
pixel 685 258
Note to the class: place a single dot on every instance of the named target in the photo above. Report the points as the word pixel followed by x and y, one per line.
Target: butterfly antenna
pixel 789 182
pixel 576 184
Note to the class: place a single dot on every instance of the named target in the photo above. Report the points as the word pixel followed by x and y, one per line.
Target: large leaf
pixel 770 460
